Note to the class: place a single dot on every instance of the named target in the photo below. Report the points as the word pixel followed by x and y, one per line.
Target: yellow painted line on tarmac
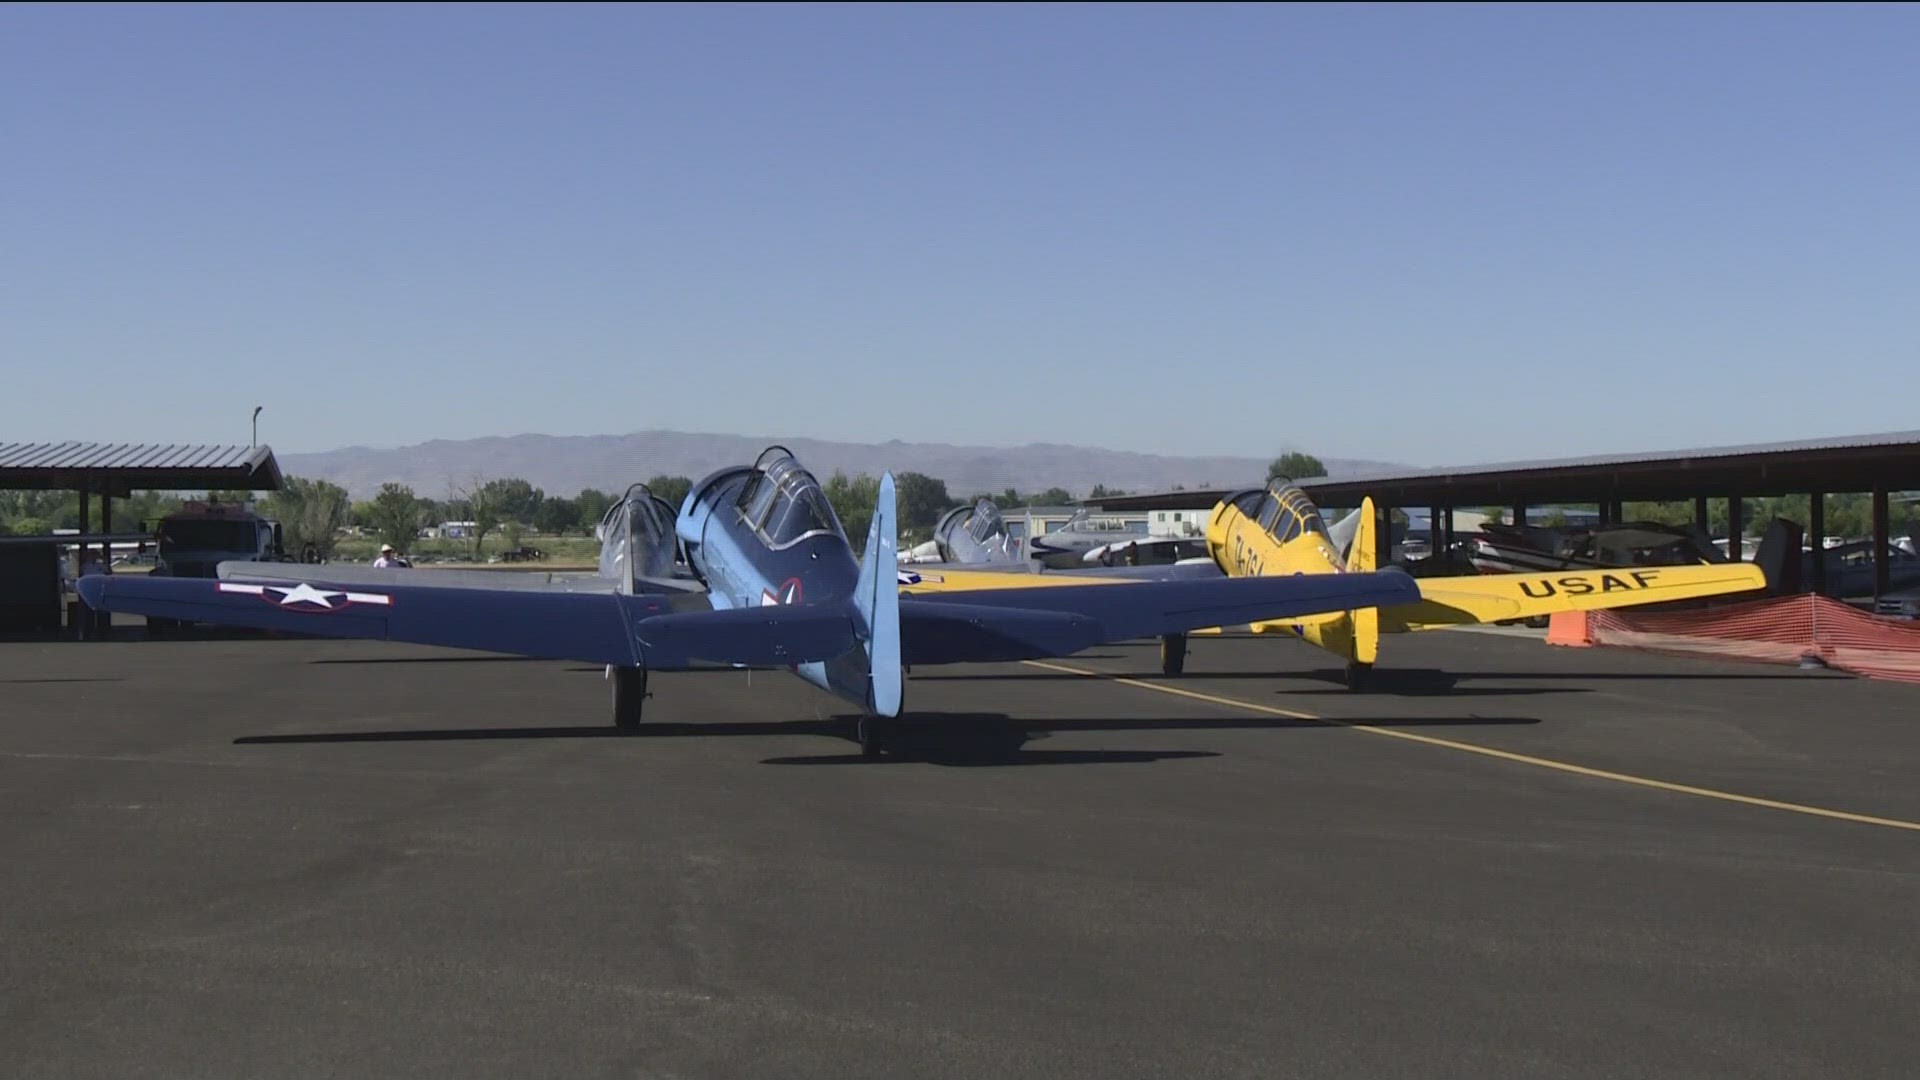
pixel 1488 751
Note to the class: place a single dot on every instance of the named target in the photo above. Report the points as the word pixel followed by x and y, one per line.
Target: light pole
pixel 256 425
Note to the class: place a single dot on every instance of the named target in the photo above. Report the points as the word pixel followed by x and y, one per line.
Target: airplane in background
pixel 772 581
pixel 1278 533
pixel 1066 547
pixel 968 536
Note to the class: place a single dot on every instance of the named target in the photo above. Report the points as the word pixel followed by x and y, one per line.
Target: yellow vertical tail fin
pixel 1364 555
pixel 1361 644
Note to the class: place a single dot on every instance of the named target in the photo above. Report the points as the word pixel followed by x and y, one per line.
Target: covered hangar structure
pixel 1879 464
pixel 108 471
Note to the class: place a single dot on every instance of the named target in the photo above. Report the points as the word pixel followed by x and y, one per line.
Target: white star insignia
pixel 306 593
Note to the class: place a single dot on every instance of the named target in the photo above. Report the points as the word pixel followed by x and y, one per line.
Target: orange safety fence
pixel 1781 630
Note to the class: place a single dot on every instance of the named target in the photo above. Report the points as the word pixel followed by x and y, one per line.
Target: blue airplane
pixel 771 582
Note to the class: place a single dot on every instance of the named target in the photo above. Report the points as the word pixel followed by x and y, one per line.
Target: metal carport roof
pixel 1886 461
pixel 121 468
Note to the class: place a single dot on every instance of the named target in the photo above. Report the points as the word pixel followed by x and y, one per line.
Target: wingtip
pixel 93 589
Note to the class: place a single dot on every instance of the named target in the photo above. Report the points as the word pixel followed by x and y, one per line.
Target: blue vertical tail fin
pixel 877 598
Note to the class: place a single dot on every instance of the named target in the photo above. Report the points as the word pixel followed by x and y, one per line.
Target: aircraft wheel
pixel 1358 675
pixel 629 696
pixel 869 732
pixel 1173 654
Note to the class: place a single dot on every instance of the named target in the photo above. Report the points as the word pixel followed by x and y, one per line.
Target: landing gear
pixel 870 733
pixel 1358 674
pixel 1173 654
pixel 629 695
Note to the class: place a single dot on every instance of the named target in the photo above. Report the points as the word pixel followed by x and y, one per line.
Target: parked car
pixel 1904 604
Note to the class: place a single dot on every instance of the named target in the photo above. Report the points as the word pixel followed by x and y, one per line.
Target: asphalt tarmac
pixel 248 858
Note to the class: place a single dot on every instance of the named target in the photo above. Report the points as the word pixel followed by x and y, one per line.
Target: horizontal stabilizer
pixel 775 635
pixel 938 632
pixel 1027 623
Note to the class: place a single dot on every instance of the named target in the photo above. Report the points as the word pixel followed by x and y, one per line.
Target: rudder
pixel 876 597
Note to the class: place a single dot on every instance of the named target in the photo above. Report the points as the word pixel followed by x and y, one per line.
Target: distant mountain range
pixel 563 464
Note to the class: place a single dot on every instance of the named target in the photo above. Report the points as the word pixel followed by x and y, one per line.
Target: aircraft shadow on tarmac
pixel 954 739
pixel 1402 683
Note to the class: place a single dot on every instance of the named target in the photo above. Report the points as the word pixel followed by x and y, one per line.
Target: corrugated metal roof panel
pixel 1844 442
pixel 79 455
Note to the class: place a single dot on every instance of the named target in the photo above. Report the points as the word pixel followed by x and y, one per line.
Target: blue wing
pixel 558 626
pixel 604 628
pixel 1020 624
pixel 658 631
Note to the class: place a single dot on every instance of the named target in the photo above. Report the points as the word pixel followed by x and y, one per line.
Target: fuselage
pixel 766 535
pixel 1275 531
pixel 1279 531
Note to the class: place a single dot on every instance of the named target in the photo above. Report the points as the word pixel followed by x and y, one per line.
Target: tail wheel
pixel 870 737
pixel 1173 654
pixel 1358 675
pixel 629 695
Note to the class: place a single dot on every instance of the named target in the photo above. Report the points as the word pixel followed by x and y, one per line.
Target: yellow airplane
pixel 1279 531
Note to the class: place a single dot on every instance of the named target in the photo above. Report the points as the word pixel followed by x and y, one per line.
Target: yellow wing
pixel 1493 597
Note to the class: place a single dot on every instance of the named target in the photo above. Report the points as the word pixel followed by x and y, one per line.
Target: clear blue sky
pixel 1430 235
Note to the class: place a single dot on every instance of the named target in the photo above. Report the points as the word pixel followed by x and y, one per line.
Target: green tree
pixel 1296 466
pixel 310 512
pixel 395 515
pixel 852 500
pixel 1053 496
pixel 671 488
pixel 514 499
pixel 922 499
pixel 233 496
pixel 476 502
pixel 1665 513
pixel 1102 491
pixel 590 506
pixel 361 512
pixel 556 515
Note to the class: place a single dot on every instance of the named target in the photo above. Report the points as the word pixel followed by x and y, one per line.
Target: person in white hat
pixel 390 557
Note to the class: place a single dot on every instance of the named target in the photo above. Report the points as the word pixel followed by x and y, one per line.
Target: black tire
pixel 1358 675
pixel 629 696
pixel 869 734
pixel 1173 654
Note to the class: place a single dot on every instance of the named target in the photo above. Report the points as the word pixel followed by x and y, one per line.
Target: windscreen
pixel 784 503
pixel 985 524
pixel 636 538
pixel 1297 515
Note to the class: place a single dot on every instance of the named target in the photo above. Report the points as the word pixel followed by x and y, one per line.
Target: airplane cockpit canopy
pixel 636 536
pixel 985 524
pixel 1285 512
pixel 783 503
